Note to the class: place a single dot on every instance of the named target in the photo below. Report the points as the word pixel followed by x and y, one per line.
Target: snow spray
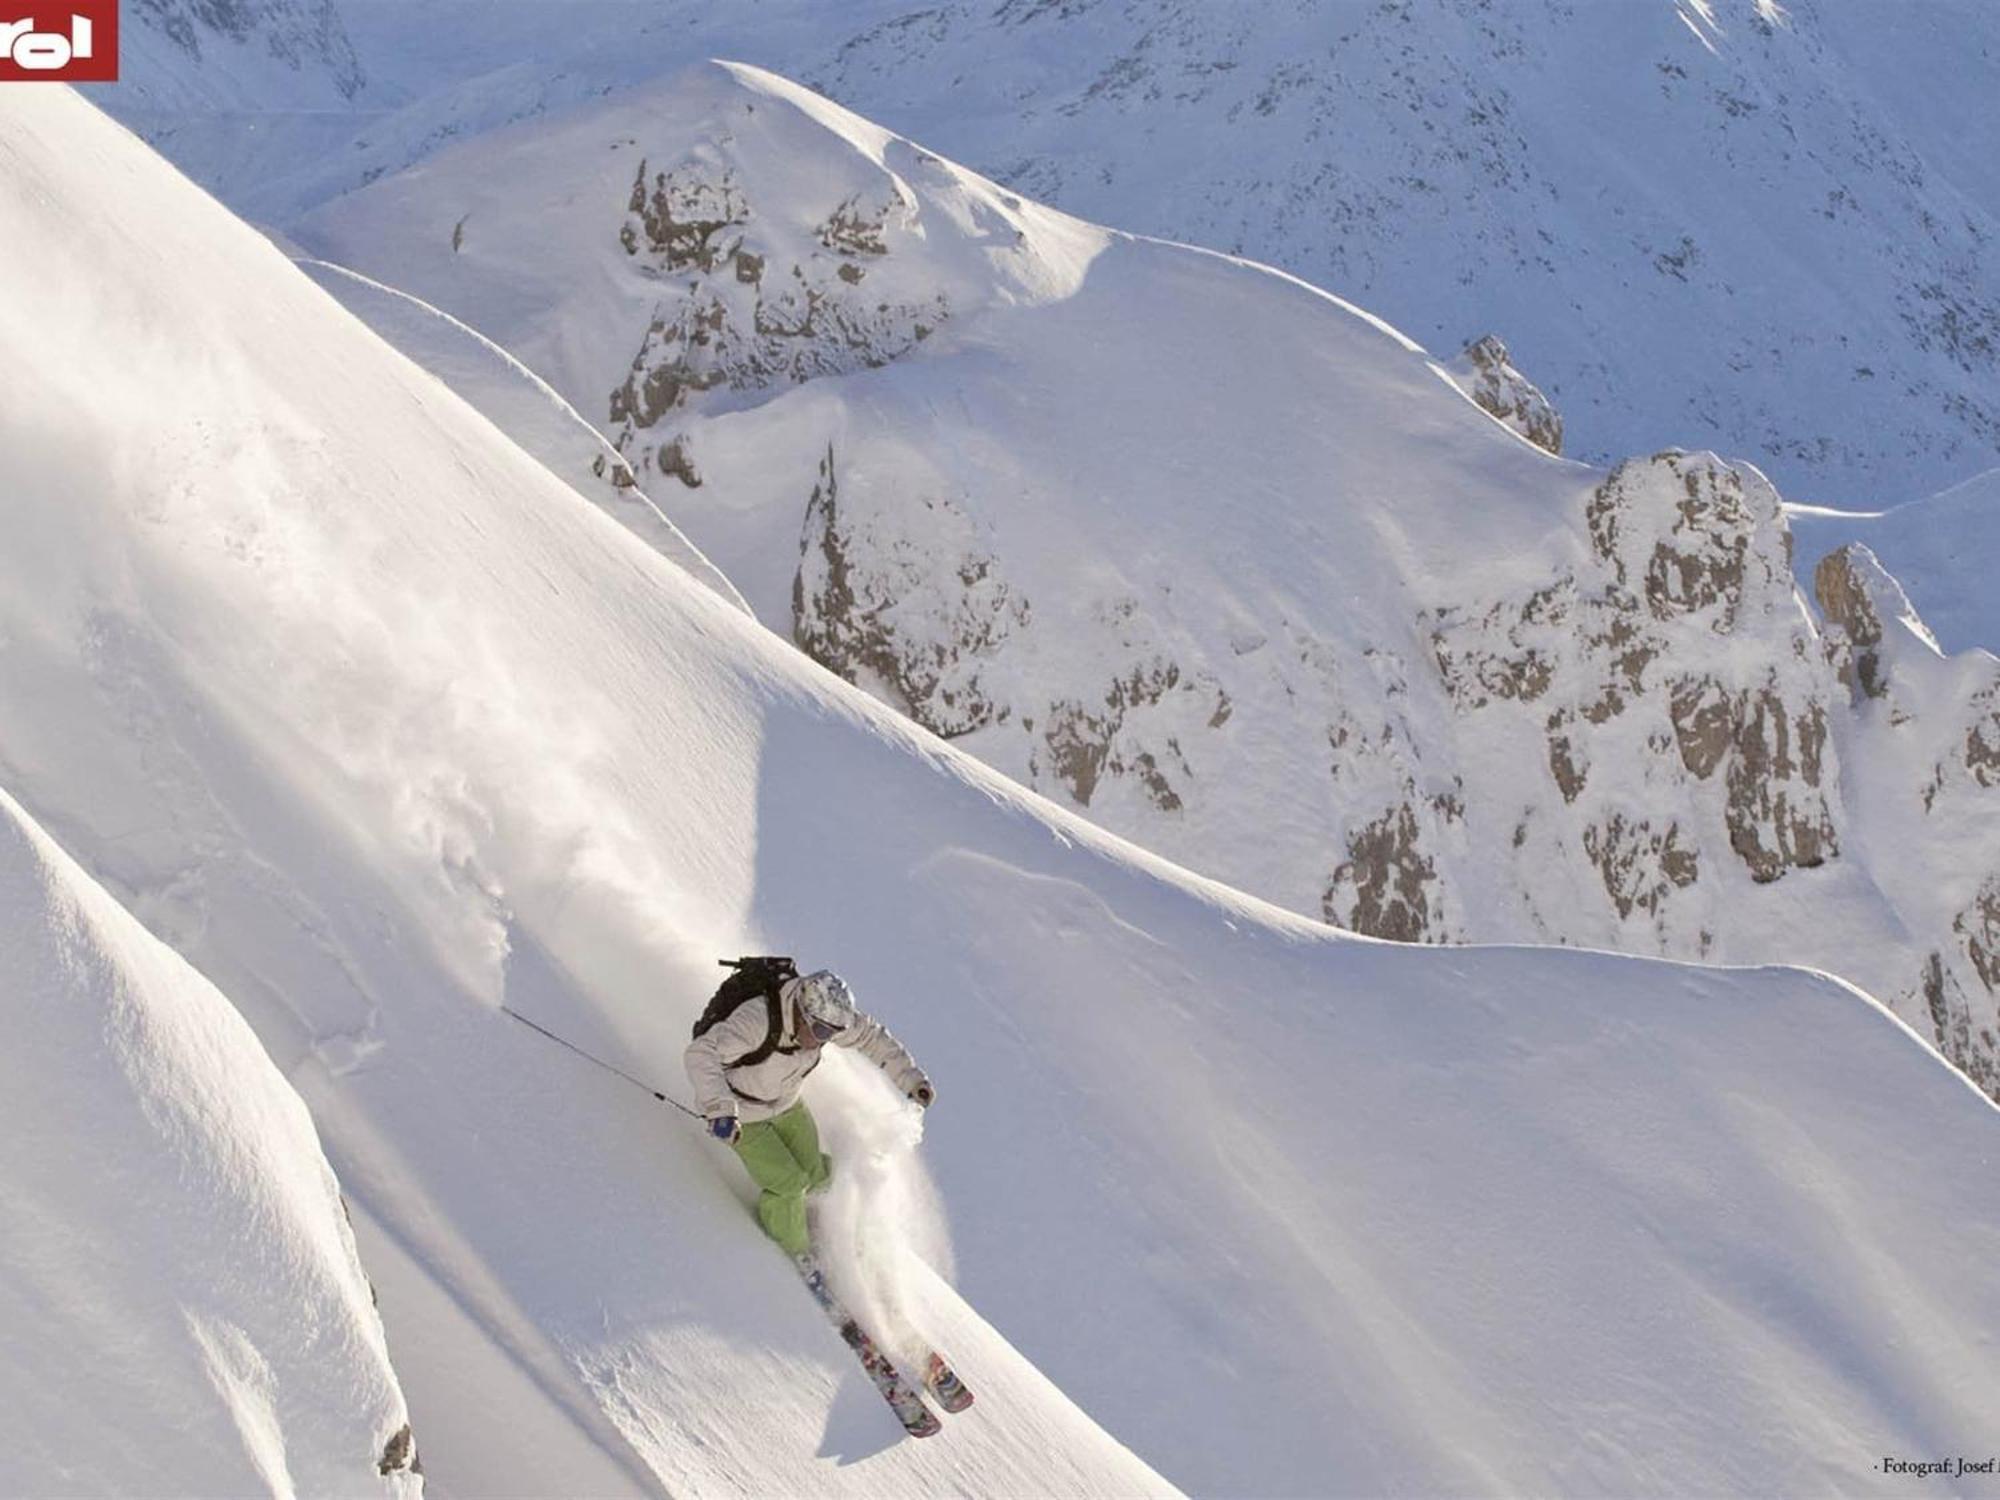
pixel 881 1215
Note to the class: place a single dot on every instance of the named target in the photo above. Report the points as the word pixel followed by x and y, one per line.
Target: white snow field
pixel 181 1307
pixel 381 726
pixel 1768 229
pixel 1215 556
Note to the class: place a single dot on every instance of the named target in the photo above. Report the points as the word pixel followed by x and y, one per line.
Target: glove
pixel 724 1128
pixel 923 1093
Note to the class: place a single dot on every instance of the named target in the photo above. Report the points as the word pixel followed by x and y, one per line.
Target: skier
pixel 748 1068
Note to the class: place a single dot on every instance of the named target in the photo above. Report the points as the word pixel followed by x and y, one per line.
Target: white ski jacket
pixel 768 1088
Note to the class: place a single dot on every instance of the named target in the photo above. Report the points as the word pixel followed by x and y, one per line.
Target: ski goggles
pixel 824 1031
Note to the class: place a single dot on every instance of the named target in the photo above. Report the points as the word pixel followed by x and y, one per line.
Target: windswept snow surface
pixel 382 725
pixel 181 1307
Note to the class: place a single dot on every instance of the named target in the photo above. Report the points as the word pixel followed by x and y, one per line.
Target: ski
pixel 918 1419
pixel 943 1383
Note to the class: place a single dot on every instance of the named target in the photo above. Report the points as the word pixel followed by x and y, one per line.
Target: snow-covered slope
pixel 181 1309
pixel 1944 551
pixel 1212 554
pixel 1766 229
pixel 182 59
pixel 381 725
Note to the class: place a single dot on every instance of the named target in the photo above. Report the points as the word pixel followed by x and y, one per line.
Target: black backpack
pixel 755 978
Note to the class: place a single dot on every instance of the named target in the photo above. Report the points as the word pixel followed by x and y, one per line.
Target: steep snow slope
pixel 1944 551
pixel 1768 229
pixel 181 1310
pixel 381 724
pixel 286 670
pixel 1212 554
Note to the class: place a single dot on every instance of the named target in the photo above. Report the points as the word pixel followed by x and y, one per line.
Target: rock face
pixel 872 608
pixel 1486 373
pixel 743 310
pixel 745 307
pixel 1686 552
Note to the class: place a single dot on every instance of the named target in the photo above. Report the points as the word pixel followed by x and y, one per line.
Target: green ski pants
pixel 784 1159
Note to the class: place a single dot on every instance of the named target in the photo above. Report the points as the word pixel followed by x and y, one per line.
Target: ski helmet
pixel 823 998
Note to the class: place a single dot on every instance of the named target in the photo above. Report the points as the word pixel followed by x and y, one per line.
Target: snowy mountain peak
pixel 758 236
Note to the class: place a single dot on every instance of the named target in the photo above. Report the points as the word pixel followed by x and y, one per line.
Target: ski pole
pixel 587 1057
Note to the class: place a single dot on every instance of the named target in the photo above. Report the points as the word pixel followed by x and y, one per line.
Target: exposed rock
pixel 399 1453
pixel 1778 818
pixel 1979 926
pixel 1970 1045
pixel 1507 653
pixel 673 458
pixel 1566 761
pixel 689 351
pixel 1982 739
pixel 736 313
pixel 1086 744
pixel 1704 715
pixel 853 594
pixel 855 228
pixel 1698 560
pixel 1486 373
pixel 1838 587
pixel 1383 888
pixel 1640 868
pixel 683 217
pixel 1079 743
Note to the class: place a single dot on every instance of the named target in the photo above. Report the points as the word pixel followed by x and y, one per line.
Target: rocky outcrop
pixel 1962 1026
pixel 1777 812
pixel 743 309
pixel 1685 551
pixel 1486 373
pixel 1979 926
pixel 1980 752
pixel 869 603
pixel 1693 536
pixel 1854 626
pixel 1640 867
pixel 1386 888
pixel 1084 743
pixel 400 1453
